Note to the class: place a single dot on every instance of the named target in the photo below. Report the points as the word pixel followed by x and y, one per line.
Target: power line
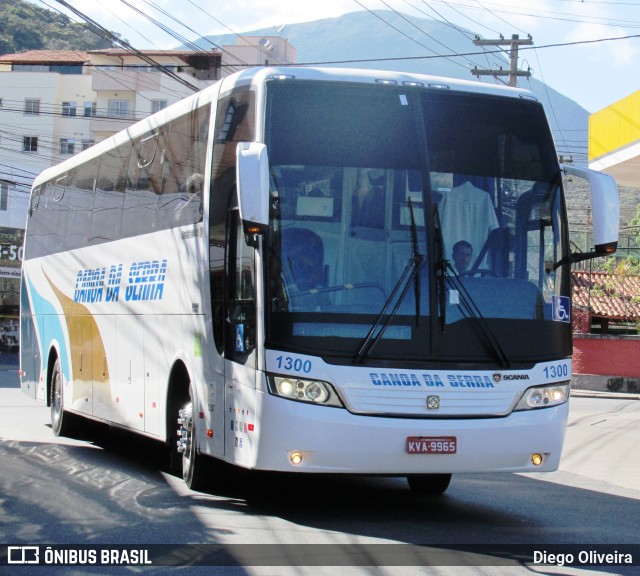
pixel 163 27
pixel 373 13
pixel 230 30
pixel 455 54
pixel 124 44
pixel 201 36
pixel 414 25
pixel 499 18
pixel 548 14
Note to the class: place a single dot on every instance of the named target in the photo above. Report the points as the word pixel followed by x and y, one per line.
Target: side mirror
pixel 252 178
pixel 605 211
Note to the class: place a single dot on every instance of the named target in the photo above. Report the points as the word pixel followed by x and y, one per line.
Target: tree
pixel 634 223
pixel 25 26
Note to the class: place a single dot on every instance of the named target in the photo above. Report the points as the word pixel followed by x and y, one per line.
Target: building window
pixel 29 143
pixel 87 144
pixel 69 108
pixel 30 68
pixel 90 108
pixel 67 146
pixel 119 108
pixel 157 105
pixel 32 106
pixel 4 196
pixel 66 68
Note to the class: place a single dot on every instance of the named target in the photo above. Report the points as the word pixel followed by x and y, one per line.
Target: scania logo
pixel 497 377
pixel 433 402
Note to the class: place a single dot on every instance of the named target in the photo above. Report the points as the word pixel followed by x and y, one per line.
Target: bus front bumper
pixel 295 436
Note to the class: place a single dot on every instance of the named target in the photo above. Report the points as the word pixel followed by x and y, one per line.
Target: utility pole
pixel 515 42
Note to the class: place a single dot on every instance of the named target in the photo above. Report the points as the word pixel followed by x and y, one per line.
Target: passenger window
pixel 241 302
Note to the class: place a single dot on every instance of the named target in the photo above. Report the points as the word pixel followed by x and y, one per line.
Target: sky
pixel 589 50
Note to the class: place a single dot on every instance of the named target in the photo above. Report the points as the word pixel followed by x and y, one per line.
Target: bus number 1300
pixel 296 364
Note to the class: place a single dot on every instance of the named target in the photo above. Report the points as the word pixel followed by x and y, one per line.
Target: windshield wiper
pixel 442 265
pixel 412 270
pixel 418 261
pixel 448 276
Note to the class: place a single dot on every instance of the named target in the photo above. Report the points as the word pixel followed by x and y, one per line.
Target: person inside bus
pixel 368 201
pixel 462 254
pixel 303 268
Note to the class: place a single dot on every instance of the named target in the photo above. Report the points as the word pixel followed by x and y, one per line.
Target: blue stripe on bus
pixel 44 310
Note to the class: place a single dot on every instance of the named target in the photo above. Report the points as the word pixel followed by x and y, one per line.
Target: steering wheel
pixel 482 272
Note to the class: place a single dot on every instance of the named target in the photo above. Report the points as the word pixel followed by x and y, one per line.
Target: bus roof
pixel 259 75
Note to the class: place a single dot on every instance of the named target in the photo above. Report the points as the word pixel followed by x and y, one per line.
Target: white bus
pixel 265 274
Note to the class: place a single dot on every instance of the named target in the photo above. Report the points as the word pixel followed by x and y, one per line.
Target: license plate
pixel 432 445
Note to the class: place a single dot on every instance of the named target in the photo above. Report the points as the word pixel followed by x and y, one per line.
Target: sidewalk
pixel 605 384
pixel 582 393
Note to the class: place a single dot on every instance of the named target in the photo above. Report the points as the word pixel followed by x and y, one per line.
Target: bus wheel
pixel 429 484
pixel 193 466
pixel 60 422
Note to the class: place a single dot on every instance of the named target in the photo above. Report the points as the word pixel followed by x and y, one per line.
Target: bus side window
pixel 141 199
pixel 184 168
pixel 240 316
pixel 106 219
pixel 35 241
pixel 80 197
pixel 55 214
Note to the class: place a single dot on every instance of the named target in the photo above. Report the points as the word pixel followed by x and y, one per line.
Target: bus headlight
pixel 544 396
pixel 303 390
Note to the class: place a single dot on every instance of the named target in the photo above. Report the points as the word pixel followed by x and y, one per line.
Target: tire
pixel 194 465
pixel 429 484
pixel 61 422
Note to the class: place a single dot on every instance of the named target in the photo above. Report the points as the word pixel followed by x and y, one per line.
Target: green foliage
pixel 635 221
pixel 620 269
pixel 25 26
pixel 623 267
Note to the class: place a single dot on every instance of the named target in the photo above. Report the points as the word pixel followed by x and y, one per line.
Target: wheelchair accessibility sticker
pixel 561 308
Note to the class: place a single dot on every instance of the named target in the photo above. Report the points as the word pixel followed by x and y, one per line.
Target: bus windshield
pixel 413 224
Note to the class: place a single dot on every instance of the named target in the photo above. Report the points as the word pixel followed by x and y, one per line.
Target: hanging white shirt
pixel 467 213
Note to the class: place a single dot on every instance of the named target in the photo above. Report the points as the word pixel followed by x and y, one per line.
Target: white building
pixel 55 103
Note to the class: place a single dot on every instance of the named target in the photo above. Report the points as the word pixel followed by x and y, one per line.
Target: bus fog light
pixel 536 459
pixel 295 458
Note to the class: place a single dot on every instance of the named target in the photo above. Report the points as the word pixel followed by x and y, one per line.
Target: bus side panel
pixel 211 389
pixel 241 408
pixel 86 348
pixel 128 384
pixel 29 350
pixel 105 332
pixel 50 329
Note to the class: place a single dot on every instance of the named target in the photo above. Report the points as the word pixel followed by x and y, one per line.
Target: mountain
pixel 387 40
pixel 24 26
